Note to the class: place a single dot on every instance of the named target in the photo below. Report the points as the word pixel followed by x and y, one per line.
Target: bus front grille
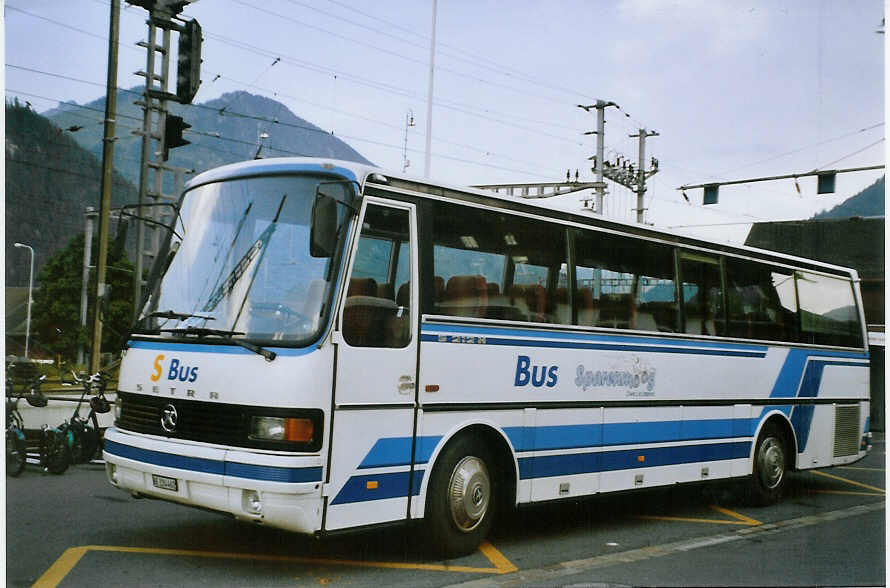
pixel 846 430
pixel 210 422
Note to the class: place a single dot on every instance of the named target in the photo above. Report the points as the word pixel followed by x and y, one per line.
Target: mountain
pixel 223 130
pixel 50 179
pixel 869 202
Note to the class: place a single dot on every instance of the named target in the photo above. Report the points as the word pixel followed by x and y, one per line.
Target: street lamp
pixel 30 288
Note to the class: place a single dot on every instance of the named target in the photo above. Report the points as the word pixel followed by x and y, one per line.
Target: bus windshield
pixel 241 263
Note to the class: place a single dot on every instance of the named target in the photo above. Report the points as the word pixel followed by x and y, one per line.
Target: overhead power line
pixel 313 129
pixel 402 56
pixel 467 109
pixel 804 148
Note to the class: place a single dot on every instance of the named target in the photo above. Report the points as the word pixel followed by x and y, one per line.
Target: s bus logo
pixel 158 370
pixel 177 370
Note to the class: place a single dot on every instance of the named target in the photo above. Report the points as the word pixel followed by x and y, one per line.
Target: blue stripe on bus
pixel 524 332
pixel 206 348
pixel 589 463
pixel 607 346
pixel 596 435
pixel 213 466
pixel 801 377
pixel 396 451
pixel 393 485
pixel 788 382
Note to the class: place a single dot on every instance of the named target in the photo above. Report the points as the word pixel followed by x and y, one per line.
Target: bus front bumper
pixel 283 491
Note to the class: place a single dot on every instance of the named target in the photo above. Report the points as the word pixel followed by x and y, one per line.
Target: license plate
pixel 165 483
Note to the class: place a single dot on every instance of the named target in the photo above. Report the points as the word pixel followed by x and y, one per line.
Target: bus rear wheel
pixel 460 498
pixel 770 467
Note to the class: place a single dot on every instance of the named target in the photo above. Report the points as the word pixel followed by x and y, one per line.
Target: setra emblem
pixel 169 416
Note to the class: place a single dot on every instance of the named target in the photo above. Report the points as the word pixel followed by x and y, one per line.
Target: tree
pixel 56 310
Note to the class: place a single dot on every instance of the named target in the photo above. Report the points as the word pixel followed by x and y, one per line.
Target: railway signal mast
pixel 162 131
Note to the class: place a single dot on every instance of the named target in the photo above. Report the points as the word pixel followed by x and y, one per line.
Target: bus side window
pixel 761 302
pixel 624 283
pixel 828 313
pixel 702 295
pixel 374 315
pixel 498 266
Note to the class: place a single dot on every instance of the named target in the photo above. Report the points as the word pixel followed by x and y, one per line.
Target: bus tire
pixel 460 500
pixel 770 471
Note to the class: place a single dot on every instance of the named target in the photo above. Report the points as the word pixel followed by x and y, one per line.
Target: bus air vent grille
pixel 197 421
pixel 846 430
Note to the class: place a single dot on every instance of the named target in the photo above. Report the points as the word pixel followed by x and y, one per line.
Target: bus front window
pixel 243 264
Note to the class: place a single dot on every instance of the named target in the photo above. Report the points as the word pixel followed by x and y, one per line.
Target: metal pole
pixel 107 166
pixel 815 172
pixel 85 281
pixel 641 174
pixel 429 100
pixel 143 167
pixel 30 297
pixel 600 152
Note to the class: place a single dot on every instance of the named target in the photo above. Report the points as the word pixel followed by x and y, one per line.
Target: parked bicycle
pixel 83 433
pixel 16 446
pixel 49 443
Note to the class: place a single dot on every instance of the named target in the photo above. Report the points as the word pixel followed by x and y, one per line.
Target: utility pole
pixel 641 170
pixel 107 166
pixel 429 100
pixel 84 287
pixel 600 133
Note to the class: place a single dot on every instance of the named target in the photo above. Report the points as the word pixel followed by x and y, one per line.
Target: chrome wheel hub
pixel 771 462
pixel 469 493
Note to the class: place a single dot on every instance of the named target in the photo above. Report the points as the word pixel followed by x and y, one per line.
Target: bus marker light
pixel 371 485
pixel 252 503
pixel 641 458
pixel 432 388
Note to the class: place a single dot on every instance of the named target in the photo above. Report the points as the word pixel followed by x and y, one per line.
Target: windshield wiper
pixel 227 335
pixel 170 314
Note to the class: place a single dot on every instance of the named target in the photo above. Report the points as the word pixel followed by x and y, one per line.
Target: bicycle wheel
pixel 16 451
pixel 57 455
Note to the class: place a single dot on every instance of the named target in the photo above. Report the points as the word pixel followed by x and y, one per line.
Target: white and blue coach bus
pixel 328 346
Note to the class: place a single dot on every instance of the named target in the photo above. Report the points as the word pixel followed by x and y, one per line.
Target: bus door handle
pixel 406 384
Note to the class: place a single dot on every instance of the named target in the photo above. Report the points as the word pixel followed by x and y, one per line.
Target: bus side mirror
pixel 323 233
pixel 325 224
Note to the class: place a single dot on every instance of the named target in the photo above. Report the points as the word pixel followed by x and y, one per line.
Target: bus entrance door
pixel 370 475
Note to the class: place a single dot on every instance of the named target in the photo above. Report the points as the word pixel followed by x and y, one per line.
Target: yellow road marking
pixel 859 468
pixel 503 565
pixel 860 484
pixel 693 520
pixel 736 515
pixel 849 492
pixel 738 518
pixel 62 566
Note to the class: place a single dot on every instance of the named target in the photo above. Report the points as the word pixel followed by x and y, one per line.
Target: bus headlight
pixel 118 407
pixel 295 430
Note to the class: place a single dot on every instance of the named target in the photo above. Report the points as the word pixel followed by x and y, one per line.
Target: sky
pixel 735 89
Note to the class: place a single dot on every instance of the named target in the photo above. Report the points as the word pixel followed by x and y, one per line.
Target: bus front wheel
pixel 770 466
pixel 460 498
